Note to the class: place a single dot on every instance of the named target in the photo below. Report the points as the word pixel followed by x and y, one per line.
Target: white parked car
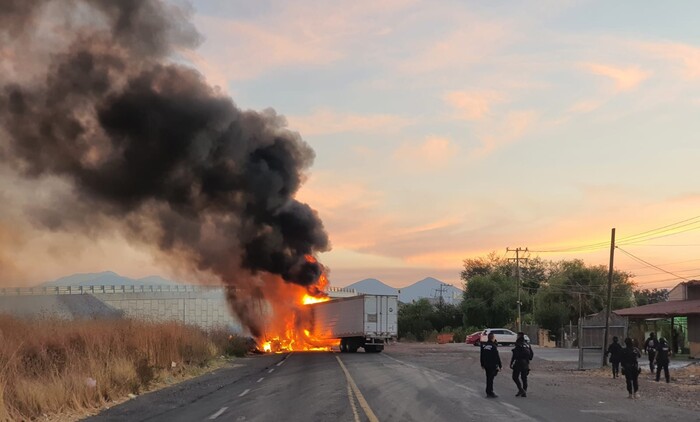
pixel 503 336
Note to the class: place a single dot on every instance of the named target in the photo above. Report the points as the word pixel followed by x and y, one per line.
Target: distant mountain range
pixel 428 288
pixel 107 278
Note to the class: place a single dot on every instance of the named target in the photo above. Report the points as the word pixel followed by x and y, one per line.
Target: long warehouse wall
pixel 203 306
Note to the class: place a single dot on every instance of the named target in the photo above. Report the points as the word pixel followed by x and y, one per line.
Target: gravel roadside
pixel 460 359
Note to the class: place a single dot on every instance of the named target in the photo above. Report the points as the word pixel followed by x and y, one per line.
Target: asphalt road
pixel 401 384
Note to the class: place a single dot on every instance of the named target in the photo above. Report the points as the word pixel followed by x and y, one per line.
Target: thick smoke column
pixel 148 146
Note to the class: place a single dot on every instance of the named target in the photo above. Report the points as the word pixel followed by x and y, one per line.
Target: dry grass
pixel 50 366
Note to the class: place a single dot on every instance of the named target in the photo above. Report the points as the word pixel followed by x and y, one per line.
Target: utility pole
pixel 442 289
pixel 579 335
pixel 608 309
pixel 517 269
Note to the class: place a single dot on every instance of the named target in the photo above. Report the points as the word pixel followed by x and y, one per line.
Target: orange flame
pixel 289 328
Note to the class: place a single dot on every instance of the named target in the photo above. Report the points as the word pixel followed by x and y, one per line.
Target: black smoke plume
pixel 146 144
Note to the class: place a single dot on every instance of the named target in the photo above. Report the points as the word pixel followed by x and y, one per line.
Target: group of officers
pixel 519 363
pixel 626 358
pixel 658 352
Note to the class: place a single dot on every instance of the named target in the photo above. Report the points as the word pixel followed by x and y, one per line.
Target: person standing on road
pixel 650 349
pixel 615 353
pixel 630 367
pixel 662 353
pixel 491 362
pixel 677 340
pixel 520 364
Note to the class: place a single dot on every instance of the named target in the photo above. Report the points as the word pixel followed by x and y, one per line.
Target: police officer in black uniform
pixel 630 368
pixel 650 349
pixel 520 364
pixel 662 353
pixel 491 362
pixel 615 352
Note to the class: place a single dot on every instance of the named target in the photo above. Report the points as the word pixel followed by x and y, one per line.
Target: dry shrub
pixel 231 345
pixel 52 366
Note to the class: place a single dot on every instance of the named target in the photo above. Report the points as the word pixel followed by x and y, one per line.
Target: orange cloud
pixel 685 55
pixel 586 106
pixel 325 122
pixel 433 152
pixel 242 50
pixel 212 71
pixel 472 105
pixel 351 211
pixel 497 134
pixel 624 78
pixel 474 42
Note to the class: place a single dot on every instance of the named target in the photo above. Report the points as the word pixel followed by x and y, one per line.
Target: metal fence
pixel 105 289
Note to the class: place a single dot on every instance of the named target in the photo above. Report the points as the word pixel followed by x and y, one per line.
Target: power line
pixel 637 241
pixel 657 245
pixel 666 280
pixel 650 264
pixel 639 237
pixel 667 263
pixel 670 227
pixel 678 271
pixel 557 289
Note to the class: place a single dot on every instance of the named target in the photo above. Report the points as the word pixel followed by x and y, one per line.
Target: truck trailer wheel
pixel 343 346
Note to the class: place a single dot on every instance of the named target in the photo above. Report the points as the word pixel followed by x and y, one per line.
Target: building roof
pixel 663 309
pixel 680 292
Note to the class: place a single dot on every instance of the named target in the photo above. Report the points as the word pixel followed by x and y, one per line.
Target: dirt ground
pixel 683 391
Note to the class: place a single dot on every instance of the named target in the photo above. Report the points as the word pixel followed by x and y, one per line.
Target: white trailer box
pixel 366 321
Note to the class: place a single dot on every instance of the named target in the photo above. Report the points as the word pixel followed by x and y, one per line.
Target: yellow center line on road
pixel 352 404
pixel 360 398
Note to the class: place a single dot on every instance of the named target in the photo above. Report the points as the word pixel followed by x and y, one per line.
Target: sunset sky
pixel 446 130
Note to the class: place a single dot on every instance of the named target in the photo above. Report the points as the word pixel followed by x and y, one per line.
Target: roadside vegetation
pixel 52 366
pixel 552 294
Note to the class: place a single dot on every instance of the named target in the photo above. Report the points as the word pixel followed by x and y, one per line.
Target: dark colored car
pixel 473 338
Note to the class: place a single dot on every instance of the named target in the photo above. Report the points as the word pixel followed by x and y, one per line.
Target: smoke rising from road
pixel 92 95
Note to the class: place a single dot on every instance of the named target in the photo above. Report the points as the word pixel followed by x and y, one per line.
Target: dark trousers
pixel 518 374
pixel 490 375
pixel 652 355
pixel 659 366
pixel 615 369
pixel 631 376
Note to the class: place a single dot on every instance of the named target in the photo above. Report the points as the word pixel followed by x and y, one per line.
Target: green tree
pixel 446 315
pixel 533 273
pixel 649 296
pixel 489 300
pixel 572 285
pixel 414 319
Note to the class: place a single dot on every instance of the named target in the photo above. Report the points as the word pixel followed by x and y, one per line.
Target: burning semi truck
pixel 365 321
